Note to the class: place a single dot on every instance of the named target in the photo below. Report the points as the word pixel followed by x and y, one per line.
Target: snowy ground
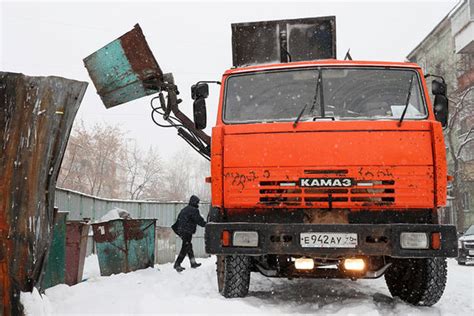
pixel 162 290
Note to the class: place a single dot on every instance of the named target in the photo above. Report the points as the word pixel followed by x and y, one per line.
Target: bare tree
pixel 176 177
pixel 459 136
pixel 200 170
pixel 143 173
pixel 92 160
pixel 99 161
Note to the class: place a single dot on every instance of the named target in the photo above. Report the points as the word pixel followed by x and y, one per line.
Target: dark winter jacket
pixel 188 218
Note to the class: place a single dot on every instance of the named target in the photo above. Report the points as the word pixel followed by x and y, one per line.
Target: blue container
pixel 125 245
pixel 125 69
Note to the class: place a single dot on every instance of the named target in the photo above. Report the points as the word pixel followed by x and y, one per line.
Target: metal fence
pixel 80 205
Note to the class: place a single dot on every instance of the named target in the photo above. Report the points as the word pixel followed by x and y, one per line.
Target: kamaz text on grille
pixel 325 182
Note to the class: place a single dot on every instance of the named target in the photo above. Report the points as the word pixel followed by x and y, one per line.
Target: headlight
pixel 245 239
pixel 414 240
pixel 354 264
pixel 304 263
pixel 459 244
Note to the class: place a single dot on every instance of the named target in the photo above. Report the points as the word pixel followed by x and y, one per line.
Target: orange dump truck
pixel 328 182
pixel 320 168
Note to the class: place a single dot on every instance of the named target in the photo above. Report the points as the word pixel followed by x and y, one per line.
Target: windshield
pixel 339 93
pixel 470 231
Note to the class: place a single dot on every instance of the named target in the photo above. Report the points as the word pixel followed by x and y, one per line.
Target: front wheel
pixel 417 281
pixel 233 275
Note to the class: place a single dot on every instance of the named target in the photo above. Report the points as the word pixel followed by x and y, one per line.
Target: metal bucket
pixel 124 70
pixel 125 245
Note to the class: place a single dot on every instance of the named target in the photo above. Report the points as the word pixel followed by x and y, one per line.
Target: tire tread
pixel 236 276
pixel 419 282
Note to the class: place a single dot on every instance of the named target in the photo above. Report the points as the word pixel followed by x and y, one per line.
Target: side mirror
pixel 441 109
pixel 200 117
pixel 199 90
pixel 438 87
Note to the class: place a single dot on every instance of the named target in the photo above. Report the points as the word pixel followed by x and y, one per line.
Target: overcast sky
pixel 190 39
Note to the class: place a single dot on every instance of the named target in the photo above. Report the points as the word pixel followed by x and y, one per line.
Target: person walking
pixel 185 227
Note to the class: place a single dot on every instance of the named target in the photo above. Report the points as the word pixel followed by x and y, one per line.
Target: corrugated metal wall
pixel 81 206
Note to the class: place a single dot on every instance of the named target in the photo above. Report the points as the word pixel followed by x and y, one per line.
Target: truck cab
pixel 329 169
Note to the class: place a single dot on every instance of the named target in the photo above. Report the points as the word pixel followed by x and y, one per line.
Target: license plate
pixel 471 252
pixel 328 240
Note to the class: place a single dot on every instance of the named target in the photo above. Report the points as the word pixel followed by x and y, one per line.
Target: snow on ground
pixel 162 290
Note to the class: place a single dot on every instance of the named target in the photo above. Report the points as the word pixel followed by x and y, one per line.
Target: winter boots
pixel 194 264
pixel 177 266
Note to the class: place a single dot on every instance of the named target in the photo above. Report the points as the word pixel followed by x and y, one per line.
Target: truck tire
pixel 233 275
pixel 418 282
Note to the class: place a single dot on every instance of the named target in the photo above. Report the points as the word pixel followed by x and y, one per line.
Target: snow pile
pixel 91 267
pixel 161 290
pixel 35 304
pixel 115 213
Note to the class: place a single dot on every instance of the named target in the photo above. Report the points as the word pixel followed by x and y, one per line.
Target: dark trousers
pixel 186 249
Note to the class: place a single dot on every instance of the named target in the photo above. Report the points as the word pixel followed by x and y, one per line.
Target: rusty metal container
pixel 36 116
pixel 124 69
pixel 282 41
pixel 76 246
pixel 55 267
pixel 125 245
pixel 165 245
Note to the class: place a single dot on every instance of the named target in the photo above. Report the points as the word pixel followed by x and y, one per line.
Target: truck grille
pixel 469 245
pixel 343 187
pixel 365 192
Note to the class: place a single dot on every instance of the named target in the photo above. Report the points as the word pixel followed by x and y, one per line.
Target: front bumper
pixel 466 255
pixel 373 240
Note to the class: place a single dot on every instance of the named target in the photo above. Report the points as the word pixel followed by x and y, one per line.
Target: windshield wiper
pixel 299 116
pixel 408 101
pixel 315 98
pixel 321 96
pixel 319 88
